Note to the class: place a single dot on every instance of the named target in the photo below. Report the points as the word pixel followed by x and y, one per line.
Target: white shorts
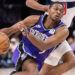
pixel 57 53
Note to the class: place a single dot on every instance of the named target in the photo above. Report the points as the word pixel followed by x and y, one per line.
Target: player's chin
pixel 56 19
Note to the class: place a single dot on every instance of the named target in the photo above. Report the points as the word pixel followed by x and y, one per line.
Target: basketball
pixel 4 42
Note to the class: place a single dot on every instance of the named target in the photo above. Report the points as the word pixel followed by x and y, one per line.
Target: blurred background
pixel 12 11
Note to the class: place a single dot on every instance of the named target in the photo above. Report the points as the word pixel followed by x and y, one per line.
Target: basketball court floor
pixel 9 70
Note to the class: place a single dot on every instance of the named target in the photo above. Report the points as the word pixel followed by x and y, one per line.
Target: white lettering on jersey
pixel 42 52
pixel 38 26
pixel 52 31
pixel 38 34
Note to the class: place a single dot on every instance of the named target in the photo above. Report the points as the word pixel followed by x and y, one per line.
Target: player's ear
pixel 48 8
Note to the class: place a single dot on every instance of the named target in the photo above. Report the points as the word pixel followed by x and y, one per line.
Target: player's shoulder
pixel 32 17
pixel 62 27
pixel 31 20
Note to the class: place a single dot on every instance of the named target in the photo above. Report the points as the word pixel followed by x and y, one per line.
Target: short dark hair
pixel 57 3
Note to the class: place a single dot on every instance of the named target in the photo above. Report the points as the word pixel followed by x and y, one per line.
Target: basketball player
pixel 42 44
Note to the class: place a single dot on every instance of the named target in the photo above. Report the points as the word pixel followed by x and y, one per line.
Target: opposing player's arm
pixel 60 36
pixel 68 63
pixel 35 5
pixel 29 21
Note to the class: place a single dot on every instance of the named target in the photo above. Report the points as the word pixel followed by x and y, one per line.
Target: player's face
pixel 56 12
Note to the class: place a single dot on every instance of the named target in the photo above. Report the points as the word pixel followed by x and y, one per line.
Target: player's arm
pixel 35 5
pixel 68 63
pixel 60 36
pixel 10 30
pixel 29 21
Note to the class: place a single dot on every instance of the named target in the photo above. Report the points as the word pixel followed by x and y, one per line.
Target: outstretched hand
pixel 46 8
pixel 23 29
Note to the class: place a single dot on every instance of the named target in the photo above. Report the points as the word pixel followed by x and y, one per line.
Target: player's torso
pixel 41 33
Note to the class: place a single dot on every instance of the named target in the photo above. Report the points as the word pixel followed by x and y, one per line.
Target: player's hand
pixel 26 32
pixel 23 29
pixel 46 8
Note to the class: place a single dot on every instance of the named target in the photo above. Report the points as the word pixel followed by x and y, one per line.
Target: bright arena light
pixel 63 0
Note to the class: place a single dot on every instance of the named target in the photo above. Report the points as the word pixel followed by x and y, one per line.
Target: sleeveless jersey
pixel 41 33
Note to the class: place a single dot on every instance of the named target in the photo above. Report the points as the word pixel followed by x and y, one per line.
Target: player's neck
pixel 49 23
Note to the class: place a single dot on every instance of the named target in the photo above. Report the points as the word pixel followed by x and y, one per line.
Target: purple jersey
pixel 40 32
